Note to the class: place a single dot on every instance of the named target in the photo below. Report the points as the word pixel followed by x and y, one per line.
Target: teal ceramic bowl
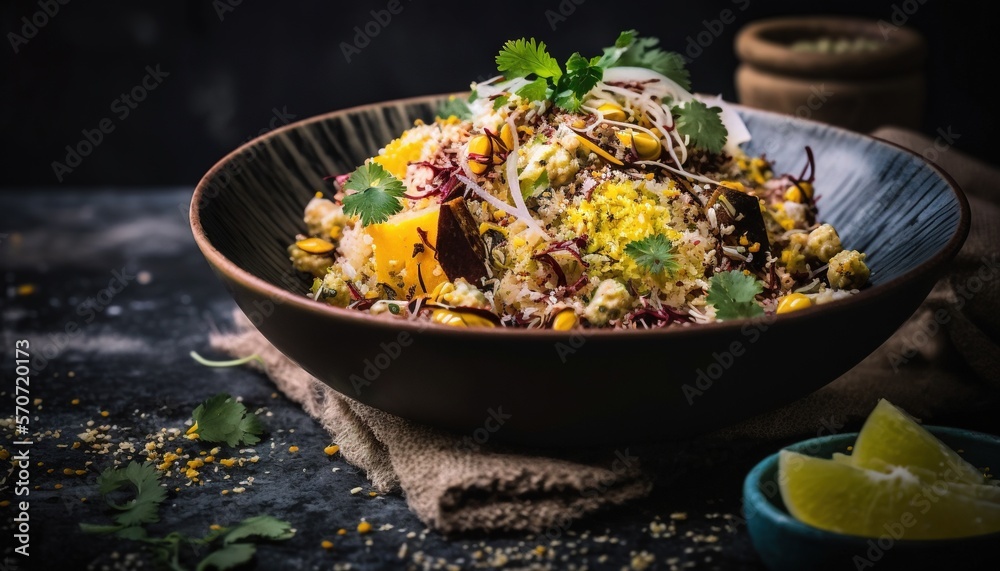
pixel 785 543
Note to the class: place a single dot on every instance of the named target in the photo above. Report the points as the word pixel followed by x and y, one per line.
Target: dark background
pixel 233 63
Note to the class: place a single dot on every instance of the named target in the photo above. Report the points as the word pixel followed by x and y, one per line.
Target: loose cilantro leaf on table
pixel 222 549
pixel 377 194
pixel 148 493
pixel 222 419
pixel 733 294
pixel 655 253
pixel 703 124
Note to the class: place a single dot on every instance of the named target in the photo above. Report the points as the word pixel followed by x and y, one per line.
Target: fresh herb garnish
pixel 521 58
pixel 454 107
pixel 528 57
pixel 733 294
pixel 143 507
pixel 633 51
pixel 376 195
pixel 703 124
pixel 655 253
pixel 222 419
pixel 227 547
pixel 581 76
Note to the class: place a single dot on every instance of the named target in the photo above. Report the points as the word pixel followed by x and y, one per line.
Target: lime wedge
pixel 844 498
pixel 891 437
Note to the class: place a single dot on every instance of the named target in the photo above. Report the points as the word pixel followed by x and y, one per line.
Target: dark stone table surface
pixel 112 294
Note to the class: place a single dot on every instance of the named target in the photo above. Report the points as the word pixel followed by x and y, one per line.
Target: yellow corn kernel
pixel 228 462
pixel 793 302
pixel 331 450
pixel 326 544
pixel 578 124
pixel 364 527
pixel 600 152
pixel 744 241
pixel 441 290
pixel 733 184
pixel 191 473
pixel 315 245
pixel 341 531
pixel 80 472
pixel 507 138
pixel 74 402
pixel 565 320
pixel 459 319
pixel 293 449
pixel 209 459
pixel 483 227
pixel 793 194
pixel 480 145
pixel 612 112
pixel 647 147
pixel 215 527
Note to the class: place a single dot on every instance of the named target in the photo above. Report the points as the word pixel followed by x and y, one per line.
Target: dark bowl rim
pixel 263 288
pixel 764 507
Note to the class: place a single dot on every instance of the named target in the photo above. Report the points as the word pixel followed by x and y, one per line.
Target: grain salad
pixel 602 193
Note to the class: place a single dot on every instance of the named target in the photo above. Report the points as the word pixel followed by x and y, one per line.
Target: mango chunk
pixel 403 261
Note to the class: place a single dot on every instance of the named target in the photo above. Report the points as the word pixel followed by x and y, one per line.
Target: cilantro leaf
pixel 500 102
pixel 222 419
pixel 631 50
pixel 654 252
pixel 531 188
pixel 537 90
pixel 521 58
pixel 733 295
pixel 454 106
pixel 148 494
pixel 703 124
pixel 228 557
pixel 263 526
pixel 581 76
pixel 377 194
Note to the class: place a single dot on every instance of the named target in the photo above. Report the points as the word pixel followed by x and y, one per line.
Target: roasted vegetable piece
pixel 460 250
pixel 742 211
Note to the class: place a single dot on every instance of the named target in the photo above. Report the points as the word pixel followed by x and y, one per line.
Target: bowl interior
pixel 786 543
pixel 882 200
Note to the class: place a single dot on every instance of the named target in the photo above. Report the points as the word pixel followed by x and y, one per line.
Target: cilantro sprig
pixel 526 58
pixel 633 51
pixel 376 195
pixel 226 547
pixel 703 124
pixel 530 59
pixel 655 253
pixel 222 419
pixel 733 294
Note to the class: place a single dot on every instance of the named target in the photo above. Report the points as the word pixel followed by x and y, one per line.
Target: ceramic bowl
pixel 784 543
pixel 576 388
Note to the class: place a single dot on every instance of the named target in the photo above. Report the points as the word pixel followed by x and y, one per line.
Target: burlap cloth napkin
pixel 945 359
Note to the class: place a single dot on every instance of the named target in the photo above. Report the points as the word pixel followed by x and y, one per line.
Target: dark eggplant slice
pixel 742 211
pixel 460 250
